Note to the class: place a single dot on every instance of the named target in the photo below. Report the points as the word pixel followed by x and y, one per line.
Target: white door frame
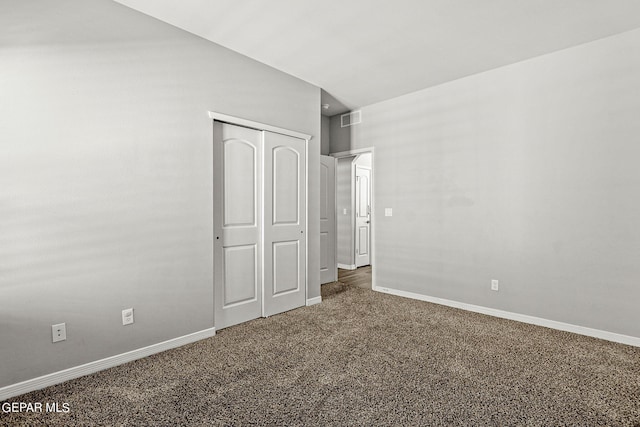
pixel 351 153
pixel 239 121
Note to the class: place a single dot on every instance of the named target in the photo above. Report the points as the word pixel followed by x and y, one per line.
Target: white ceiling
pixel 365 51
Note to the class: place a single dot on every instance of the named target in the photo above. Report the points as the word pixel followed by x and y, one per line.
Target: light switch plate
pixel 127 316
pixel 388 212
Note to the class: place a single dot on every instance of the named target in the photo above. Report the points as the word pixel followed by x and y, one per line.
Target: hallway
pixel 360 277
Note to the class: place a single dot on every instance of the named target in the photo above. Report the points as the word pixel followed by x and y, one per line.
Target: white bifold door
pixel 259 223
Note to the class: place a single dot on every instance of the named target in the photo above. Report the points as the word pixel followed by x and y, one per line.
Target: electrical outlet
pixel 59 332
pixel 494 285
pixel 127 316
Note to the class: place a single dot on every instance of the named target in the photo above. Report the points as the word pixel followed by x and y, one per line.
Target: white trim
pixel 256 125
pixel 306 221
pixel 350 153
pixel 99 365
pixel 314 301
pixel 347 266
pixel 567 327
pixel 354 184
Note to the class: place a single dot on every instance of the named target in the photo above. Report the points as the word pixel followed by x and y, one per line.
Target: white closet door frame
pixel 257 125
pixel 238 121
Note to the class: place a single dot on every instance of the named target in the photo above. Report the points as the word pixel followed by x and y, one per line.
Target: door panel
pixel 240 275
pixel 328 233
pixel 363 212
pixel 363 241
pixel 237 207
pixel 284 223
pixel 286 265
pixel 239 183
pixel 362 209
pixel 286 185
pixel 324 252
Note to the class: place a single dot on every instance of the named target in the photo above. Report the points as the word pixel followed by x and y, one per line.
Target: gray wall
pixel 340 137
pixel 106 177
pixel 527 174
pixel 344 200
pixel 325 146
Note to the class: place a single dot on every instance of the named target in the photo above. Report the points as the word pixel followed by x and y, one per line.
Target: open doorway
pixel 355 222
pixel 361 277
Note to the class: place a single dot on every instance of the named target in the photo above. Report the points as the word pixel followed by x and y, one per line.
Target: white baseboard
pixel 347 266
pixel 314 301
pixel 99 365
pixel 595 333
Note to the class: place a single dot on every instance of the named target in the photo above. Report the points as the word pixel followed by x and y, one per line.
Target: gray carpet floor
pixel 363 358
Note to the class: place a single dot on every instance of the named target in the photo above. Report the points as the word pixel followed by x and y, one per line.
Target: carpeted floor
pixel 363 358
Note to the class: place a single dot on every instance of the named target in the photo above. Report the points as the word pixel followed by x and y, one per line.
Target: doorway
pixel 360 277
pixel 355 220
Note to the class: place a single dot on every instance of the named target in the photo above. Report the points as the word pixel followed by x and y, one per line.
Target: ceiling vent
pixel 350 119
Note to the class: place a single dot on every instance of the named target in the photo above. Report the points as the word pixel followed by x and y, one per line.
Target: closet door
pixel 285 223
pixel 237 224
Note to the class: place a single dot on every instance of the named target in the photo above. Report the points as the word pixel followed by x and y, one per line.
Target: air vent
pixel 350 119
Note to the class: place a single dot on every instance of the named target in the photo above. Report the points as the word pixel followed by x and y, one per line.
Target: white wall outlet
pixel 59 332
pixel 127 316
pixel 494 285
pixel 344 211
pixel 388 212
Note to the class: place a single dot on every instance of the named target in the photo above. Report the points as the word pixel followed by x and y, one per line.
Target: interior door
pixel 285 223
pixel 363 216
pixel 328 249
pixel 237 224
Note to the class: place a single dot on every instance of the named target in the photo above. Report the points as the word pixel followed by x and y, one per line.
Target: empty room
pixel 319 212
